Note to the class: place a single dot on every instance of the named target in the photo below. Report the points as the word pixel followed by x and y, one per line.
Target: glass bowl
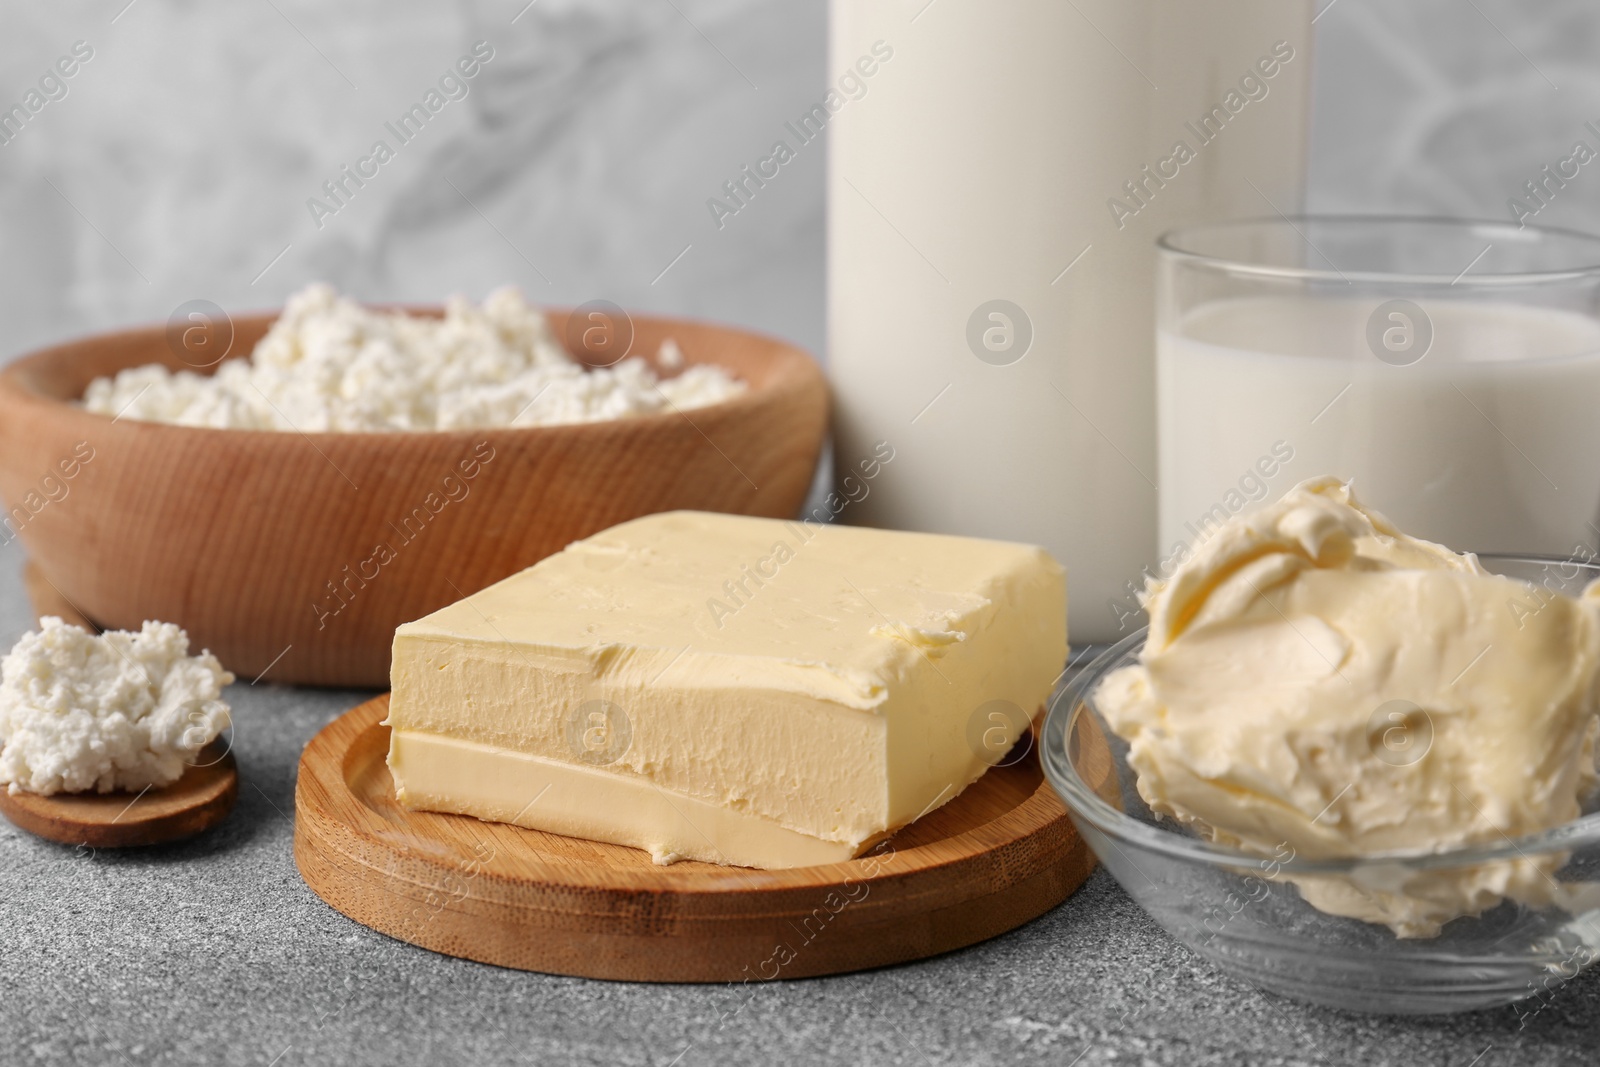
pixel 1243 913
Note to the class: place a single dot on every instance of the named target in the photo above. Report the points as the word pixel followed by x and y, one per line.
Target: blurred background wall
pixel 179 161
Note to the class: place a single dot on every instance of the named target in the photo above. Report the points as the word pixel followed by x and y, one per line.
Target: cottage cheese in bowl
pixel 330 365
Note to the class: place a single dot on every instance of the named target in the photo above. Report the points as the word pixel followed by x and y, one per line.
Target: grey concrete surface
pixel 214 952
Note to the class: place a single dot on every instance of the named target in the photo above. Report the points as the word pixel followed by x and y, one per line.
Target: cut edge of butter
pixel 434 773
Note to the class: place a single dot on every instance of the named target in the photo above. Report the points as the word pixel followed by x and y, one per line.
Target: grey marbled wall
pixel 1449 106
pixel 179 162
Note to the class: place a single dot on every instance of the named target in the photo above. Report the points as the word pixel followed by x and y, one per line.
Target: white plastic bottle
pixel 994 197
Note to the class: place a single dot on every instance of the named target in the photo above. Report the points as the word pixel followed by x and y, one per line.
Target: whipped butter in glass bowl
pixel 1350 766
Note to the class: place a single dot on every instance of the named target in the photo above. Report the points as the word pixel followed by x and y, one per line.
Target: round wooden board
pixel 1000 854
pixel 197 801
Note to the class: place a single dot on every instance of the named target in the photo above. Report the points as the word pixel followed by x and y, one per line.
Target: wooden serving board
pixel 1000 854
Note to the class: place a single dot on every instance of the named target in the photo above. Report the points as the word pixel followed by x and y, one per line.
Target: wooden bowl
pixel 303 552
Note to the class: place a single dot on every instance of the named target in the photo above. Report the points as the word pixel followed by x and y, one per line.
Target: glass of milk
pixel 1451 368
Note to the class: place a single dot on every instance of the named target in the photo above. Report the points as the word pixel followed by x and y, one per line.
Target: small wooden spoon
pixel 197 801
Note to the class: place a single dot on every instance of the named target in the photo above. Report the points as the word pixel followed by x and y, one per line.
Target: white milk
pixel 1489 443
pixel 980 163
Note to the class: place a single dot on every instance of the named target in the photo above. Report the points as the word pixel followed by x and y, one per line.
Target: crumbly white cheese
pixel 329 364
pixel 121 710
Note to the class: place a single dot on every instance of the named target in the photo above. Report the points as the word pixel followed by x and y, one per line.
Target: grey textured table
pixel 214 952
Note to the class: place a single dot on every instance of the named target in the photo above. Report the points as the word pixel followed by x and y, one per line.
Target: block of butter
pixel 728 689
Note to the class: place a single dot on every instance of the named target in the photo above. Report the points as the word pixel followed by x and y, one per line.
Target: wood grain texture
pixel 262 545
pixel 46 599
pixel 997 856
pixel 196 802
